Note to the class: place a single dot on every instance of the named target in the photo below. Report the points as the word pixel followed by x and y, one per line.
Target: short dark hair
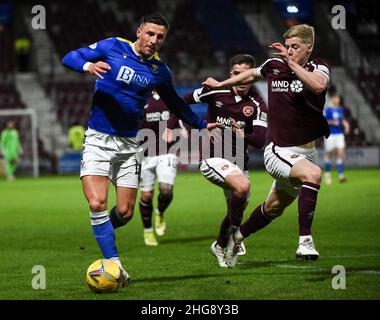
pixel 156 18
pixel 243 58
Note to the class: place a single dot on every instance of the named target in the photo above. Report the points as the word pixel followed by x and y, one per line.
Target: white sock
pixel 118 262
pixel 99 217
pixel 303 238
pixel 148 229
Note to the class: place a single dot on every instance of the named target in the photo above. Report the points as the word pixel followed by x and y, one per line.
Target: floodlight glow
pixel 292 9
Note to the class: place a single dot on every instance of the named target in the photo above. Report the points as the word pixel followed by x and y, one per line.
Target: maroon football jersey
pixel 295 113
pixel 156 112
pixel 248 111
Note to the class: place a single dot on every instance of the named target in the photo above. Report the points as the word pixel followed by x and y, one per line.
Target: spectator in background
pixel 22 49
pixel 339 126
pixel 10 148
pixel 76 136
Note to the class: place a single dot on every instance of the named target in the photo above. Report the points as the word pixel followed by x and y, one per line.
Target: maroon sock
pixel 223 232
pixel 236 206
pixel 146 210
pixel 164 199
pixel 307 201
pixel 256 221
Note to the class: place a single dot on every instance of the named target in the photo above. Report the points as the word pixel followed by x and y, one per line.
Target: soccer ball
pixel 104 275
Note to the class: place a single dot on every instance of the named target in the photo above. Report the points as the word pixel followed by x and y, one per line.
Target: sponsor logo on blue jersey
pixel 129 75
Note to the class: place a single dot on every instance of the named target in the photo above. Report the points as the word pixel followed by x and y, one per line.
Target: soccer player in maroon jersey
pixel 243 110
pixel 296 96
pixel 161 164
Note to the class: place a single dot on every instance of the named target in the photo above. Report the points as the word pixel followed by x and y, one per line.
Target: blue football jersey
pixel 119 98
pixel 331 113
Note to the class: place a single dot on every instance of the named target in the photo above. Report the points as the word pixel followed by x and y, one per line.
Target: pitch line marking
pixel 289 266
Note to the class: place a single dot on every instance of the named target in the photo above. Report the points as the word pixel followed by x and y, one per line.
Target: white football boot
pixel 160 224
pixel 218 252
pixel 232 249
pixel 242 251
pixel 149 238
pixel 125 278
pixel 306 250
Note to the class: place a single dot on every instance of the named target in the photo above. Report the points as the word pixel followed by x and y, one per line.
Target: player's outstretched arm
pixel 246 77
pixel 181 109
pixel 346 126
pixel 88 59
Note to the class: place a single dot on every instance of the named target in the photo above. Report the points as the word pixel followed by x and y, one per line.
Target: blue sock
pixel 104 234
pixel 340 167
pixel 327 166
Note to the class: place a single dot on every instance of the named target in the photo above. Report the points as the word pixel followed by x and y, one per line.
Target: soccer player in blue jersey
pixel 334 114
pixel 127 72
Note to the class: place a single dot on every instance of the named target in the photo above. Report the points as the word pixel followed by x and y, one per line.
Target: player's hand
pixel 234 124
pixel 213 125
pixel 211 83
pixel 184 133
pixel 98 67
pixel 282 51
pixel 167 136
pixel 236 128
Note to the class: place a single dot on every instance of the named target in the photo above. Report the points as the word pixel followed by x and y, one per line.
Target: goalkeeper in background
pixel 10 148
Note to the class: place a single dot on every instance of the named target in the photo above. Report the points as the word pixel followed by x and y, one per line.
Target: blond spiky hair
pixel 302 31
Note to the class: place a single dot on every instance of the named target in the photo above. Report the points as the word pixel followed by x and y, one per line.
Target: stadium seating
pixel 363 24
pixel 356 137
pixel 73 100
pixel 369 83
pixel 139 8
pixel 187 49
pixel 9 97
pixel 81 29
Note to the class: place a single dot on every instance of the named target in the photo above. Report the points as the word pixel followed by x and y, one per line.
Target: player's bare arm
pixel 167 136
pixel 246 77
pixel 346 126
pixel 314 81
pixel 97 68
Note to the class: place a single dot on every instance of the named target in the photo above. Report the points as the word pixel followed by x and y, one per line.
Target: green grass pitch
pixel 46 222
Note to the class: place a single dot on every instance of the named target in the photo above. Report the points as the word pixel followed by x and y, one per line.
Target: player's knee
pixel 97 204
pixel 242 189
pixel 273 209
pixel 166 192
pixel 313 175
pixel 147 197
pixel 126 210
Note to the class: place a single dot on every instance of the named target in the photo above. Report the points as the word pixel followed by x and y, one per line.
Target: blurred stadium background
pixel 203 35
